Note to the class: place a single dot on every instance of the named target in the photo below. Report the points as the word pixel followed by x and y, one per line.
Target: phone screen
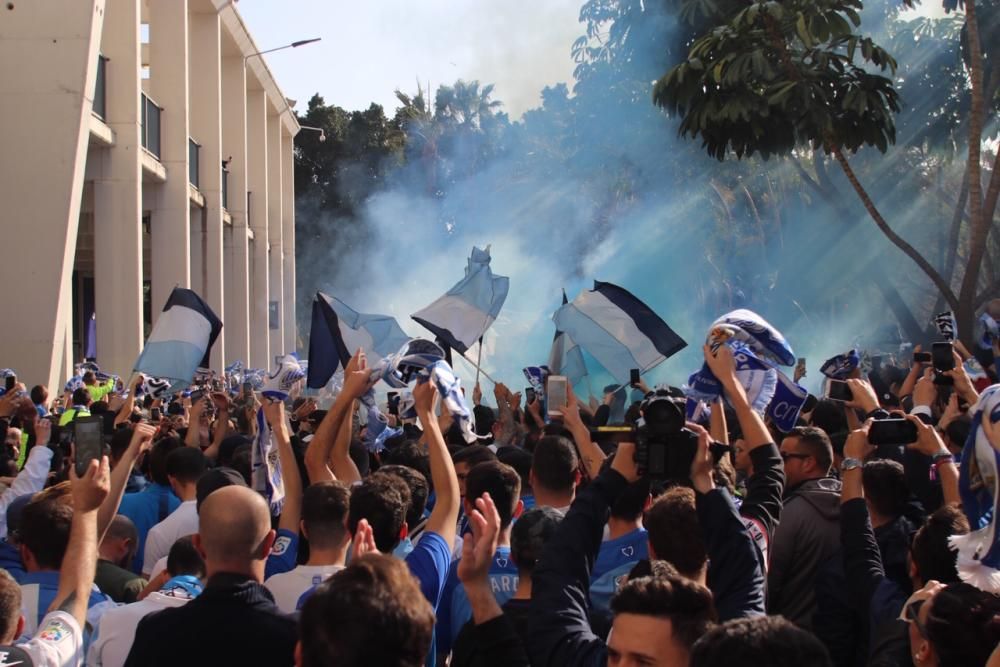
pixel 529 394
pixel 247 390
pixel 943 357
pixel 892 432
pixel 838 390
pixel 633 379
pixel 555 394
pixel 88 435
pixel 11 382
pixel 154 414
pixel 922 357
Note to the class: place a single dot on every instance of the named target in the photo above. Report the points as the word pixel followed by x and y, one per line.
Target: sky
pixel 369 49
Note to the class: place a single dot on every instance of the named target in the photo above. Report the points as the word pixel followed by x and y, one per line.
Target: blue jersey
pixel 455 609
pixel 284 554
pixel 614 561
pixel 146 509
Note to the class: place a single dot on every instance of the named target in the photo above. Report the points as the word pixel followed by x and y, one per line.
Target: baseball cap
pixel 215 479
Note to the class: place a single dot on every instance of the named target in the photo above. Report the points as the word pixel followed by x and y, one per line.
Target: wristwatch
pixel 850 464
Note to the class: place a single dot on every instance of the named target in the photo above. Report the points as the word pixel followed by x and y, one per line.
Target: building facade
pixel 144 144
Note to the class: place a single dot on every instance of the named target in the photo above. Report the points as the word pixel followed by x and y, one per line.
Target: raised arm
pixel 356 379
pixel 717 426
pixel 142 440
pixel 76 576
pixel 193 436
pixel 444 516
pixel 343 466
pixel 125 411
pixel 723 366
pixel 274 412
pixel 221 430
pixel 929 443
pixel 592 455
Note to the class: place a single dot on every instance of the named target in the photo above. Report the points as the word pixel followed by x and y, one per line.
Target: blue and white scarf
pixel 787 403
pixel 979 488
pixel 841 366
pixel 265 461
pixel 537 377
pixel 450 388
pixel 757 346
pixel 989 331
pixel 946 325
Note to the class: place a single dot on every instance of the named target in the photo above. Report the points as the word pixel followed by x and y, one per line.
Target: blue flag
pixel 461 317
pixel 338 331
pixel 181 340
pixel 787 403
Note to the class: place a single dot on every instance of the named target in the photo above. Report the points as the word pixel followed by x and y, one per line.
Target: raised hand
pixel 702 464
pixel 357 378
pixel 423 397
pixel 364 540
pixel 90 490
pixel 862 395
pixel 479 546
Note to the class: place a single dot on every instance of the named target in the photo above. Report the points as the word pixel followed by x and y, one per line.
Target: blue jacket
pixel 146 509
pixel 10 560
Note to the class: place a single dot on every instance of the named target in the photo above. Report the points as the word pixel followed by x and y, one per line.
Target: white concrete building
pixel 143 144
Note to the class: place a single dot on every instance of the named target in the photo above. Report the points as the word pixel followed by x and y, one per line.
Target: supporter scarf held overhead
pixel 979 488
pixel 265 462
pixel 946 325
pixel 841 366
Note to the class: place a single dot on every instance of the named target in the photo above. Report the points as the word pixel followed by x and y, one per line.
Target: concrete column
pixel 118 198
pixel 260 349
pixel 48 66
pixel 234 147
pixel 170 219
pixel 206 128
pixel 275 232
pixel 288 242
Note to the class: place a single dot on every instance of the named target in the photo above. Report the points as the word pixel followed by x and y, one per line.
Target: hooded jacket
pixel 807 536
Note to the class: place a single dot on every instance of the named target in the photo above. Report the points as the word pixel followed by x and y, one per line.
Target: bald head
pixel 234 528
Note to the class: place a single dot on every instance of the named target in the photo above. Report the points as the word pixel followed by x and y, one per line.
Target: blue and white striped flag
pixel 618 330
pixel 566 357
pixel 467 310
pixel 338 331
pixel 181 340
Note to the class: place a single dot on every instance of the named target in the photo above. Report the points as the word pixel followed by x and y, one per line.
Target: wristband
pixel 942 457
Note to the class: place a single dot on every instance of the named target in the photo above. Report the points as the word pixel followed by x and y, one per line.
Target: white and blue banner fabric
pixel 181 339
pixel 461 317
pixel 338 331
pixel 566 357
pixel 618 330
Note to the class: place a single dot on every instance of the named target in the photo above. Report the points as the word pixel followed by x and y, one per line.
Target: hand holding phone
pixel 555 394
pixel 921 357
pixel 943 359
pixel 634 378
pixel 838 390
pixel 892 432
pixel 88 437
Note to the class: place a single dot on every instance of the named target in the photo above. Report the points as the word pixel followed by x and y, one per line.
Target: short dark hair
pixel 10 604
pixel 183 558
pixel 687 604
pixel 324 512
pixel 473 455
pixel 383 500
pixel 963 624
pixel 419 491
pixel 485 418
pixel 39 394
pixel 885 487
pixel 555 463
pixel 158 458
pixel 931 553
pixel 411 454
pixel 958 430
pixel 816 443
pixel 120 440
pixel 81 396
pixel 631 501
pixel 530 534
pixel 761 641
pixel 674 531
pixel 375 596
pixel 829 416
pixel 501 482
pixel 89 377
pixel 520 460
pixel 186 464
pixel 44 530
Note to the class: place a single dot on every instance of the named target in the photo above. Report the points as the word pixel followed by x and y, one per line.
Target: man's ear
pixel 648 503
pixel 404 531
pixel 196 542
pixel 266 544
pixel 577 477
pixel 519 509
pixel 302 528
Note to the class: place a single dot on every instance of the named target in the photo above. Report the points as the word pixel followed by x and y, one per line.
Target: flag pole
pixel 479 360
pixel 478 369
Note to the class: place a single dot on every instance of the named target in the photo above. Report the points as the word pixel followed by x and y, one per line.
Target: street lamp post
pixel 293 45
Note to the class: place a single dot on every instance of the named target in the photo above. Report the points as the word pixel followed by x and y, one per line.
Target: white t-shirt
pixel 117 629
pixel 182 521
pixel 58 643
pixel 288 587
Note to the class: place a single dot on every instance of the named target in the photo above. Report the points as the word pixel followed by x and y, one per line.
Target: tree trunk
pixel 978 229
pixel 895 238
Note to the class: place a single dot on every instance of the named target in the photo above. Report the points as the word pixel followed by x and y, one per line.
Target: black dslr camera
pixel 664 447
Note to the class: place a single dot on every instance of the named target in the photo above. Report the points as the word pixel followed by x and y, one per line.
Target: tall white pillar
pixel 288 242
pixel 170 218
pixel 275 233
pixel 118 198
pixel 234 147
pixel 257 214
pixel 45 103
pixel 205 119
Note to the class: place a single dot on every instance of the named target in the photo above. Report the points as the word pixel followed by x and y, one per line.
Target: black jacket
pixel 762 502
pixel 495 643
pixel 560 633
pixel 233 622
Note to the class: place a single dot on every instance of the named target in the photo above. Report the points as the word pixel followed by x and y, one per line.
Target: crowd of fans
pixel 545 543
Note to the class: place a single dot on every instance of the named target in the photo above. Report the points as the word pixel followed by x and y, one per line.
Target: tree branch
pixel 895 238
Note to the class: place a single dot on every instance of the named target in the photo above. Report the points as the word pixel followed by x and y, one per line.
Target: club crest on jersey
pixel 281 545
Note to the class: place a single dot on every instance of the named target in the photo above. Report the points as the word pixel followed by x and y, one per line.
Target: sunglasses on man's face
pixel 791 455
